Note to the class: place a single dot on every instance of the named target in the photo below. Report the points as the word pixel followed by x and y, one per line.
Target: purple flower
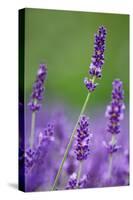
pixel 97 59
pixel 29 159
pixel 89 84
pixel 35 156
pixel 115 111
pixel 72 182
pixel 117 92
pixel 83 138
pixel 38 88
pixel 112 148
pixel 98 56
pixel 83 181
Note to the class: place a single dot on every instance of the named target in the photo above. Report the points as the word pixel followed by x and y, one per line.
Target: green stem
pixel 113 141
pixel 32 129
pixel 110 166
pixel 79 173
pixel 71 140
pixel 33 117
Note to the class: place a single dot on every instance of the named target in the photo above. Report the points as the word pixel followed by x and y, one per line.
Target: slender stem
pixel 79 173
pixel 71 140
pixel 113 141
pixel 32 129
pixel 110 166
pixel 33 117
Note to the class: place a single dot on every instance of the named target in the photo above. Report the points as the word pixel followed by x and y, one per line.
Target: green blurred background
pixel 64 40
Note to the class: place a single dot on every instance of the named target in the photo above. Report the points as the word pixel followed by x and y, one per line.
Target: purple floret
pixel 72 182
pixel 29 159
pixel 82 149
pixel 38 88
pixel 118 92
pixel 111 148
pixel 89 84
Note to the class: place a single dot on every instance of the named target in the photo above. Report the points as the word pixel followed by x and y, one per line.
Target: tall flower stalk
pixel 36 97
pixel 114 113
pixel 95 71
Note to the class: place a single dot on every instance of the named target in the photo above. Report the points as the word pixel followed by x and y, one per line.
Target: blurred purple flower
pixel 72 182
pixel 38 88
pixel 33 156
pixel 115 111
pixel 42 174
pixel 35 159
pixel 83 181
pixel 112 148
pixel 71 164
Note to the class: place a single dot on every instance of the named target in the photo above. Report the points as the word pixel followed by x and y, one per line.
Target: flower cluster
pixel 89 84
pixel 34 156
pixel 29 159
pixel 72 182
pixel 47 134
pixel 83 138
pixel 115 111
pixel 97 60
pixel 38 88
pixel 112 148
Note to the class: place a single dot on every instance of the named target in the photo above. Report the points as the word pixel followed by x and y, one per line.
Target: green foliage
pixel 64 40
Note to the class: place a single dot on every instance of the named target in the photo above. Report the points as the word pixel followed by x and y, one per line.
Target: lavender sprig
pixel 97 59
pixel 36 97
pixel 99 45
pixel 82 148
pixel 38 88
pixel 114 113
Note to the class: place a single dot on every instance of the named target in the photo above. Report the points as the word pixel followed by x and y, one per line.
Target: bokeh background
pixel 64 40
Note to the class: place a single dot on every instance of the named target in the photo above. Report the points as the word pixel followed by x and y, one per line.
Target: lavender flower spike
pixel 82 149
pixel 115 111
pixel 36 97
pixel 98 56
pixel 97 59
pixel 38 88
